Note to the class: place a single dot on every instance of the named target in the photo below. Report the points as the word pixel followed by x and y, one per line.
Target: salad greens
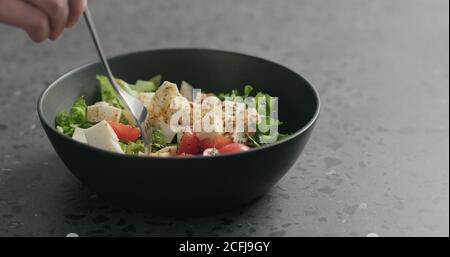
pixel 158 141
pixel 133 148
pixel 110 96
pixel 247 90
pixel 148 86
pixel 235 93
pixel 67 122
pixel 141 86
pixel 124 138
pixel 263 128
pixel 138 147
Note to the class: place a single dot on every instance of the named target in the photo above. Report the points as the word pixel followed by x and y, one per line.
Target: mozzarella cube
pixel 103 136
pixel 101 111
pixel 79 135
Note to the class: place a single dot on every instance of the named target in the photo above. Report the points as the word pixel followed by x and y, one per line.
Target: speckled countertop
pixel 377 162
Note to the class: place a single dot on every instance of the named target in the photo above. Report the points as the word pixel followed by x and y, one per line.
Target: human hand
pixel 42 19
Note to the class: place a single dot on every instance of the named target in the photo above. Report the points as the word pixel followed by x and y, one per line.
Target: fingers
pixel 76 10
pixel 58 13
pixel 31 19
pixel 42 19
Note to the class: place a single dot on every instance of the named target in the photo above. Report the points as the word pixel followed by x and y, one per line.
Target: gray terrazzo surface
pixel 378 159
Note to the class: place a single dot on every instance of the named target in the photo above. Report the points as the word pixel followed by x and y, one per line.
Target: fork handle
pixel 126 98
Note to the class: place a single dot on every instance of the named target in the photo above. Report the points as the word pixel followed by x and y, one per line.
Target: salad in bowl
pixel 181 121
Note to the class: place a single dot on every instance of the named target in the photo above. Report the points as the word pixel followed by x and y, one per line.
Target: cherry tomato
pixel 215 142
pixel 189 144
pixel 234 148
pixel 125 133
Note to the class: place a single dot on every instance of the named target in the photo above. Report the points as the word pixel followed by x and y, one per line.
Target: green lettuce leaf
pixel 262 135
pixel 247 90
pixel 78 111
pixel 158 141
pixel 147 86
pixel 144 86
pixel 109 95
pixel 133 148
pixel 228 96
pixel 156 80
pixel 67 122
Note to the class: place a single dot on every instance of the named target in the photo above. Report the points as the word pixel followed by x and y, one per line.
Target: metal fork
pixel 136 108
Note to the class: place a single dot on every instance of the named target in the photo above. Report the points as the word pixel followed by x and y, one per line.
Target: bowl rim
pixel 312 121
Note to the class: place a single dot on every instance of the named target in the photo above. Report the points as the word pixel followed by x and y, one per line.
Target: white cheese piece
pixel 103 136
pixel 187 90
pixel 100 111
pixel 160 103
pixel 159 109
pixel 146 98
pixel 79 135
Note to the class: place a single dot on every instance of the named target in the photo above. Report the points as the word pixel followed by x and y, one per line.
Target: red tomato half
pixel 234 148
pixel 189 144
pixel 215 142
pixel 125 133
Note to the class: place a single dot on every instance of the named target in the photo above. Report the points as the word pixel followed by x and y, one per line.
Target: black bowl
pixel 185 186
